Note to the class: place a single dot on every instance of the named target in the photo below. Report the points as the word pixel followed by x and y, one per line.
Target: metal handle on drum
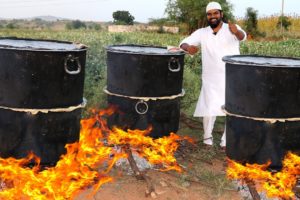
pixel 71 58
pixel 141 107
pixel 176 61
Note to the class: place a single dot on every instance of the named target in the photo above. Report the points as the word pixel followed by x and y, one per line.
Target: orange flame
pixel 278 184
pixel 86 163
pixel 156 151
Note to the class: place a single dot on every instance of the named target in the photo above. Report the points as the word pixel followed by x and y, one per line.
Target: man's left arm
pixel 239 34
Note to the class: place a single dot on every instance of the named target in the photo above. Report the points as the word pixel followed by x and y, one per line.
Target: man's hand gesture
pixel 232 27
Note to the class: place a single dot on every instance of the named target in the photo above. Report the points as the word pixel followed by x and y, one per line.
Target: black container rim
pixel 231 60
pixel 110 48
pixel 79 47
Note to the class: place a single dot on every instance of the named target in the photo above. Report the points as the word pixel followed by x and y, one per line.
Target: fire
pixel 156 151
pixel 278 184
pixel 86 163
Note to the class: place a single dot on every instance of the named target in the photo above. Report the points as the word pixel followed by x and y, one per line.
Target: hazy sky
pixel 142 10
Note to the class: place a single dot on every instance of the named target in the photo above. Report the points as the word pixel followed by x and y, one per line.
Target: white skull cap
pixel 213 6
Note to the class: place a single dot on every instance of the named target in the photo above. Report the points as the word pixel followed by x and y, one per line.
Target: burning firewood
pixel 252 190
pixel 282 184
pixel 297 188
pixel 140 175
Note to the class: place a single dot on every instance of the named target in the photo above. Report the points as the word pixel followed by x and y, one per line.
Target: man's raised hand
pixel 232 27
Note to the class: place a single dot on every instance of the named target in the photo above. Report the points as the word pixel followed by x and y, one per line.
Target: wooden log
pixel 252 190
pixel 150 191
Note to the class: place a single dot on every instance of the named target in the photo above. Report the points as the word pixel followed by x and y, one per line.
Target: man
pixel 216 40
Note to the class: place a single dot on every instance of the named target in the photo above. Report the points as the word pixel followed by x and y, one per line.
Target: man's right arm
pixel 191 49
pixel 192 42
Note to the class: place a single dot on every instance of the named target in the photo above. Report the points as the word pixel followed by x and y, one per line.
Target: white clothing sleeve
pixel 194 39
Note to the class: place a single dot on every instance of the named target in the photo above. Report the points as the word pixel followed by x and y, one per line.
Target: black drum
pixel 262 102
pixel 144 71
pixel 145 83
pixel 36 78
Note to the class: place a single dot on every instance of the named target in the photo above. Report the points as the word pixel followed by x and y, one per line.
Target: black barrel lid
pixel 39 45
pixel 142 49
pixel 268 61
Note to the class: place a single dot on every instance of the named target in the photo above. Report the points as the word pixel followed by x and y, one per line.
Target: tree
pixel 251 20
pixel 192 12
pixel 251 23
pixel 285 22
pixel 123 17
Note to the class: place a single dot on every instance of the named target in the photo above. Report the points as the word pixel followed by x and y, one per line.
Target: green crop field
pixel 95 78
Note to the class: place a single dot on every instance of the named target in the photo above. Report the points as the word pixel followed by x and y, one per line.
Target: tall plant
pixel 251 23
pixel 284 21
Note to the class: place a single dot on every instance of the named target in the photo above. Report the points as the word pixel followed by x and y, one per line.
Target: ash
pixel 246 195
pixel 141 163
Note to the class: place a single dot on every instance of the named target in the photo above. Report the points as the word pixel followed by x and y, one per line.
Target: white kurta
pixel 213 49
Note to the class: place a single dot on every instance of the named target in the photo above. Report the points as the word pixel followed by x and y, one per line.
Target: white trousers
pixel 208 126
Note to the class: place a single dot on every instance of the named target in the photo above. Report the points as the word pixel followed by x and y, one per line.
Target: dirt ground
pixel 167 187
pixel 203 177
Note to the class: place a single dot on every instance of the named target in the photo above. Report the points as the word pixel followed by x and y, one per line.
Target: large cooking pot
pixel 145 83
pixel 144 71
pixel 263 109
pixel 41 96
pixel 41 73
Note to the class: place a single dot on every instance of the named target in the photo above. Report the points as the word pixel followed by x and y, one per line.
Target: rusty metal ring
pixel 174 60
pixel 71 58
pixel 139 107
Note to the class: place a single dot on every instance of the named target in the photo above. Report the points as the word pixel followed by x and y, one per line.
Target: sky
pixel 142 10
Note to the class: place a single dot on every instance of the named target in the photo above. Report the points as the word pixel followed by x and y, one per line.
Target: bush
pixel 94 26
pixel 11 26
pixel 161 29
pixel 77 24
pixel 284 21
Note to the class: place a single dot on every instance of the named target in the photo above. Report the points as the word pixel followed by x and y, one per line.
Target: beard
pixel 214 24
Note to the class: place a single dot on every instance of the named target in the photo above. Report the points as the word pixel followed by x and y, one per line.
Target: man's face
pixel 214 17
